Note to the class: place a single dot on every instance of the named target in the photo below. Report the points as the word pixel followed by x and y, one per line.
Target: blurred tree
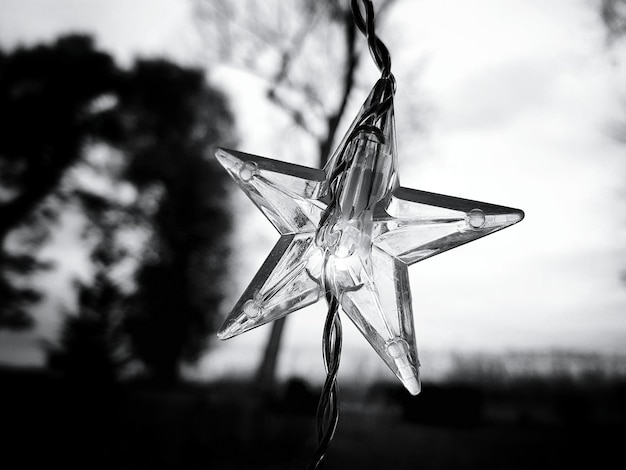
pixel 307 53
pixel 128 150
pixel 613 13
pixel 46 115
pixel 173 118
pixel 93 348
pixel 90 343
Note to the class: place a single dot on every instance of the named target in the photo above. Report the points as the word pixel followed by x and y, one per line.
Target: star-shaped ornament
pixel 351 229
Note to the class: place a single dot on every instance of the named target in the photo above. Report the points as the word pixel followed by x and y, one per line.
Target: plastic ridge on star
pixel 352 229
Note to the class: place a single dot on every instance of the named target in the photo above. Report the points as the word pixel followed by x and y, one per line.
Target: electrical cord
pixel 378 50
pixel 327 416
pixel 328 406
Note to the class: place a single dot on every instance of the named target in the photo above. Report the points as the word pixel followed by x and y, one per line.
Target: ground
pixel 49 421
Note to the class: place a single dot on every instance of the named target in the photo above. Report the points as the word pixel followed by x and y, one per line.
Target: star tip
pixel 221 152
pixel 225 333
pixel 407 369
pixel 515 216
pixel 232 327
pixel 413 386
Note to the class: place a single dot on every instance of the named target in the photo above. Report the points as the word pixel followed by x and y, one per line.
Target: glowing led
pixel 252 309
pixel 247 171
pixel 477 218
pixel 397 348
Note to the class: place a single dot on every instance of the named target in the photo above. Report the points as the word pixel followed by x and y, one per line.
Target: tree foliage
pixel 45 116
pixel 613 13
pixel 180 280
pixel 130 150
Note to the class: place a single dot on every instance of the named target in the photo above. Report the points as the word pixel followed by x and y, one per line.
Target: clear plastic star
pixel 352 229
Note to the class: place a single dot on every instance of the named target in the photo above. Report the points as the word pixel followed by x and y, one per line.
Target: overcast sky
pixel 521 96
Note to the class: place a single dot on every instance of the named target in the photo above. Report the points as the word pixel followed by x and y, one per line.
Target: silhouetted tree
pixel 89 343
pixel 93 348
pixel 47 94
pixel 59 105
pixel 613 13
pixel 173 119
pixel 306 51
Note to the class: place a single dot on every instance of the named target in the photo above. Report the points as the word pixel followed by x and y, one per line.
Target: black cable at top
pixel 378 50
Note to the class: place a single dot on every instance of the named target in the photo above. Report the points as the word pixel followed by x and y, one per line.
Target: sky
pixel 517 103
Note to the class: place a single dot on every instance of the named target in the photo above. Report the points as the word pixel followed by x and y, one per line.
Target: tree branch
pixel 352 60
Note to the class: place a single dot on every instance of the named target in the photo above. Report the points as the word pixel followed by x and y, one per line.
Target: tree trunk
pixel 266 373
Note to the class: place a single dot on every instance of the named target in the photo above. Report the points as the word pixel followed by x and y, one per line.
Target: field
pixel 47 421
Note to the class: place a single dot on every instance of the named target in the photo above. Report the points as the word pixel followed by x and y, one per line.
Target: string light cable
pixel 327 416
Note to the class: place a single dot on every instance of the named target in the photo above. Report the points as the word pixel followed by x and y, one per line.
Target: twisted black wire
pixel 327 416
pixel 377 48
pixel 328 406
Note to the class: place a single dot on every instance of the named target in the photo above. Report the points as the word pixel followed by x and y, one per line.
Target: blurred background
pixel 123 245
